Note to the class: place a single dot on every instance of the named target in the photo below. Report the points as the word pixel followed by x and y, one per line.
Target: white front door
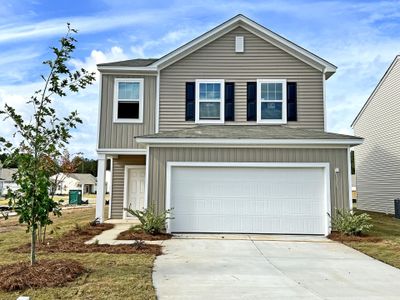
pixel 135 188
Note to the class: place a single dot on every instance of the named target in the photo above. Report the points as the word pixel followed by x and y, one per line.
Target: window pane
pixel 271 110
pixel 271 91
pixel 128 110
pixel 210 91
pixel 209 110
pixel 128 90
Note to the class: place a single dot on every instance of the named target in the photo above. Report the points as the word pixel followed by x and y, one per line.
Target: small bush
pixel 139 244
pixel 348 223
pixel 150 222
pixel 94 222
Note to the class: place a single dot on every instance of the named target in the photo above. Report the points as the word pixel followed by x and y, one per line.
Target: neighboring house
pixel 354 186
pixel 108 181
pixel 6 181
pixel 74 181
pixel 378 159
pixel 229 131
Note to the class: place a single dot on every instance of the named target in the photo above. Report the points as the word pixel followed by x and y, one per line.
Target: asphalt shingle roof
pixel 249 132
pixel 138 62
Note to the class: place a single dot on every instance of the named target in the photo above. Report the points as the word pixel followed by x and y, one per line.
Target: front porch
pixel 128 186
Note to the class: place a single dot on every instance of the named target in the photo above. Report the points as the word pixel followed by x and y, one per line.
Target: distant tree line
pixel 81 164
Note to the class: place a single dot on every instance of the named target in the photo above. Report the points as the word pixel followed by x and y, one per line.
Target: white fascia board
pixel 249 141
pixel 214 33
pixel 122 151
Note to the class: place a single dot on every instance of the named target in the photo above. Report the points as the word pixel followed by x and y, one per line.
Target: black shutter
pixel 229 101
pixel 252 101
pixel 190 101
pixel 292 101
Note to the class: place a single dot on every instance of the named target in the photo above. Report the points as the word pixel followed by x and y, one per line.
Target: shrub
pixel 150 222
pixel 348 223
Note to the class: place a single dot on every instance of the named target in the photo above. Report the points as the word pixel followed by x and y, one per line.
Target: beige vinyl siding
pixel 218 60
pixel 378 158
pixel 118 174
pixel 119 135
pixel 337 158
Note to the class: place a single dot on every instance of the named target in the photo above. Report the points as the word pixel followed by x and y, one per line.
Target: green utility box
pixel 75 197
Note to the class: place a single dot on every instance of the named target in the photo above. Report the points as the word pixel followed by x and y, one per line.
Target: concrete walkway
pixel 108 237
pixel 280 268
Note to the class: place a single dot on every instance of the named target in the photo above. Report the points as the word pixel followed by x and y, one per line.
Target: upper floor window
pixel 271 101
pixel 210 94
pixel 128 100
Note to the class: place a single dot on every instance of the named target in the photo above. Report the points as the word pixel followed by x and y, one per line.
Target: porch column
pixel 101 183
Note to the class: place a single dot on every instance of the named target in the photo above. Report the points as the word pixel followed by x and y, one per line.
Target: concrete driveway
pixel 246 267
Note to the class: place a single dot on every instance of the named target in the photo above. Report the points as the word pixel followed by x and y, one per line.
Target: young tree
pixel 44 135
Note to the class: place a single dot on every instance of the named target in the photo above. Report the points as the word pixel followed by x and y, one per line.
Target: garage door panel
pixel 248 200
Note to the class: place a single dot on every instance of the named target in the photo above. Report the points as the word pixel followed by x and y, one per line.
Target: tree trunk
pixel 44 235
pixel 33 246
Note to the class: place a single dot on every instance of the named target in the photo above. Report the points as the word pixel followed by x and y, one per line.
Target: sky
pixel 360 37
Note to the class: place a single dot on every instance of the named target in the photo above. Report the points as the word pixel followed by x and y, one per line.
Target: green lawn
pixel 112 276
pixel 387 228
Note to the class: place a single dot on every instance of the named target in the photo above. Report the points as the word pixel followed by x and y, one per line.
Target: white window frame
pixel 283 120
pixel 116 100
pixel 221 119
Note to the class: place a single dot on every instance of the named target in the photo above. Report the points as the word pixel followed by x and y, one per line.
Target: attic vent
pixel 239 44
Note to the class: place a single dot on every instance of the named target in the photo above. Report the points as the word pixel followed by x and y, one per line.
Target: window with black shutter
pixel 229 101
pixel 252 101
pixel 292 101
pixel 190 101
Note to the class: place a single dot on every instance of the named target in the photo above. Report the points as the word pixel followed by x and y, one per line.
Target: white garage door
pixel 288 200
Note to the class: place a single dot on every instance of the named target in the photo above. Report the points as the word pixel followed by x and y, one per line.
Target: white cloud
pixel 85 24
pixel 98 56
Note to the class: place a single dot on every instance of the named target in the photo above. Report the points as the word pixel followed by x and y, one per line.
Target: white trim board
pixel 126 169
pixel 325 166
pixel 217 141
pixel 121 151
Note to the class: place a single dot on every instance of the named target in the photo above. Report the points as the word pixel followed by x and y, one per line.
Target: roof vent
pixel 239 44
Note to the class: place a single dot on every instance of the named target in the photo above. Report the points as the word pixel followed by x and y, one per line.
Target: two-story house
pixel 229 131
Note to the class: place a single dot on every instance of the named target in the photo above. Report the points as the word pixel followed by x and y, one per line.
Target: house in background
pixel 377 160
pixel 87 183
pixel 6 181
pixel 229 130
pixel 354 187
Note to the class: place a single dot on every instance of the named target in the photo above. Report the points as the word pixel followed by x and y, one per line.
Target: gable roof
pixel 256 133
pixel 396 59
pixel 83 178
pixel 242 21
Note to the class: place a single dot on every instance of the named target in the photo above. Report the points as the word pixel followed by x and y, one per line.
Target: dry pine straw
pixel 74 241
pixel 45 273
pixel 141 235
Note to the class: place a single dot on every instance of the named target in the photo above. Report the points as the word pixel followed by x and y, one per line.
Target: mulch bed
pixel 338 237
pixel 141 235
pixel 74 241
pixel 45 273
